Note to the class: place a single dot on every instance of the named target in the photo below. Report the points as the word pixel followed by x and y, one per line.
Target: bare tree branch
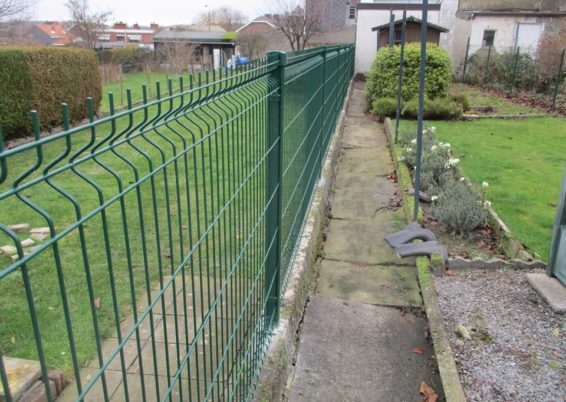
pixel 253 44
pixel 13 8
pixel 228 18
pixel 87 23
pixel 296 22
pixel 178 55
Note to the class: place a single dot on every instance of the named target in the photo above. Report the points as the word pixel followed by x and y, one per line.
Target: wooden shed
pixel 412 33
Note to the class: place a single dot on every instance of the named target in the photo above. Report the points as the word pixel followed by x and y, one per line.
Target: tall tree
pixel 228 18
pixel 87 23
pixel 298 24
pixel 13 8
pixel 253 44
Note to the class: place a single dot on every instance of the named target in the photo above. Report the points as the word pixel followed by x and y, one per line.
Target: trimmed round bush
pixel 42 78
pixel 383 78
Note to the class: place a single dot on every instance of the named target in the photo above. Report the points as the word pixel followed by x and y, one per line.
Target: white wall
pixel 505 32
pixel 366 40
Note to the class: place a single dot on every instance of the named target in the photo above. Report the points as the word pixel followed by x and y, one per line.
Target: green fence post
pixel 515 65
pixel 466 58
pixel 273 187
pixel 487 64
pixel 400 83
pixel 391 29
pixel 558 78
pixel 323 134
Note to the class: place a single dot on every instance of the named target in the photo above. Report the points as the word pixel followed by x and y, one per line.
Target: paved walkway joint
pixel 363 337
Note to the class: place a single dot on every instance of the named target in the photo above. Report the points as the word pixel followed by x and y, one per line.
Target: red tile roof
pixel 56 32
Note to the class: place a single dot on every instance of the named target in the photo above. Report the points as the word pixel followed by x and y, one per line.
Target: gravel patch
pixel 517 350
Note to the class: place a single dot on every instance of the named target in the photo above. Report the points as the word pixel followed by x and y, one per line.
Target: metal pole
pixel 487 64
pixel 391 28
pixel 273 191
pixel 424 27
pixel 400 85
pixel 558 78
pixel 515 65
pixel 466 58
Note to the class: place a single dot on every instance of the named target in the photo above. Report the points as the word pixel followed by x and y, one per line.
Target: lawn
pixel 478 97
pixel 134 81
pixel 524 163
pixel 214 192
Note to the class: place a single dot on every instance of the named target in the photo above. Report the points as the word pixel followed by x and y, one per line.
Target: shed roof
pixel 194 36
pixel 411 19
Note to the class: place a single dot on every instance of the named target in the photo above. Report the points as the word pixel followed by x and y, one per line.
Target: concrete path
pixel 361 339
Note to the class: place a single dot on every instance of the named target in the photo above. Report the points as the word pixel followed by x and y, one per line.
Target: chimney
pixel 136 26
pixel 154 26
pixel 120 25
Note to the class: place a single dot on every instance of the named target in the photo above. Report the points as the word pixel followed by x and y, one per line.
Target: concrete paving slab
pixel 360 240
pixel 386 286
pixel 550 289
pixel 360 352
pixel 360 167
pixel 367 135
pixel 21 375
pixel 358 204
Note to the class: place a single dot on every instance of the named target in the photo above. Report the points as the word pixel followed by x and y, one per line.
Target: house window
pixel 488 37
pixel 352 13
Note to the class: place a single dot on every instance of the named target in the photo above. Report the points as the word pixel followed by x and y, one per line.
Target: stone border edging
pixel 449 376
pixel 283 346
pixel 471 117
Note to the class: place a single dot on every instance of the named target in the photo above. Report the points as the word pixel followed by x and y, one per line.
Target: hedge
pixel 383 78
pixel 42 78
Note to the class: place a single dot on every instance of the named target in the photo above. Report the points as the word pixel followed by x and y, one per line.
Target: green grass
pixel 134 81
pixel 209 177
pixel 524 163
pixel 478 97
pixel 228 169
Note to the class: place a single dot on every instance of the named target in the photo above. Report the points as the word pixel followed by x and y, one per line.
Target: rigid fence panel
pixel 159 237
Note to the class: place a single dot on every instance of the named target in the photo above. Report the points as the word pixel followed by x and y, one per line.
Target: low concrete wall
pixel 283 347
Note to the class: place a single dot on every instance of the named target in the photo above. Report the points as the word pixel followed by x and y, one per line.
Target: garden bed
pixel 516 351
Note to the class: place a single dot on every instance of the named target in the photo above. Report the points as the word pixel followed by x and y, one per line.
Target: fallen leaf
pixel 13 340
pixel 97 302
pixel 556 332
pixel 449 272
pixel 428 393
pixel 417 350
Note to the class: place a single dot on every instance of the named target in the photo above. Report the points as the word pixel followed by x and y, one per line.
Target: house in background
pixel 378 13
pixel 205 49
pixel 412 32
pixel 260 35
pixel 50 33
pixel 503 25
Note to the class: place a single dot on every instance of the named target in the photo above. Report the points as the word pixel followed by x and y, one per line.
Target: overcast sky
pixel 163 12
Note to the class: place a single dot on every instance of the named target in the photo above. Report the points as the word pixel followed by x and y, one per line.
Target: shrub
pixel 131 57
pixel 42 78
pixel 459 207
pixel 462 100
pixel 434 109
pixel 500 70
pixel 385 107
pixel 382 79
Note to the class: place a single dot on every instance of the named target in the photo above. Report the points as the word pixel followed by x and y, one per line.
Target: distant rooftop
pixel 194 36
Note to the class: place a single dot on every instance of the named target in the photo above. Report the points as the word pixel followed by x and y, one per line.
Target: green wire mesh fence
pixel 160 237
